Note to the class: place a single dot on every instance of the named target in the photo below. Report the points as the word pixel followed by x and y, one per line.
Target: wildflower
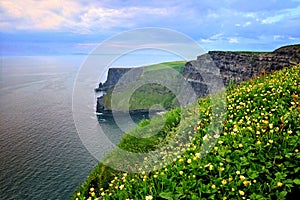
pixel 296 150
pixel 180 172
pixel 216 148
pixel 224 198
pixel 78 193
pixel 197 155
pixel 149 197
pixel 93 194
pixel 246 183
pixel 230 178
pixel 271 141
pixel 211 167
pixel 290 132
pixel 242 193
pixel 121 187
pixel 232 189
pixel 189 161
pixel 270 126
pixel 242 177
pixel 222 169
pixel 258 142
pixel 238 172
pixel 213 186
pixel 92 189
pixel 220 142
pixel 102 194
pixel 279 184
pixel 240 145
pixel 224 182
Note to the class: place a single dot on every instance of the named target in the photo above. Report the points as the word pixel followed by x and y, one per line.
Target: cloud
pixel 282 15
pixel 233 40
pixel 72 16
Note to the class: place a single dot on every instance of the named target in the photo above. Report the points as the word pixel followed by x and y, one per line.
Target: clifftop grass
pixel 256 156
pixel 148 94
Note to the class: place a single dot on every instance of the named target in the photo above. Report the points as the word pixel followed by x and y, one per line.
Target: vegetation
pixel 176 65
pixel 146 94
pixel 256 156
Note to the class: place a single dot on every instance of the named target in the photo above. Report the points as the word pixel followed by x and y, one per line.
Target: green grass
pixel 146 94
pixel 176 65
pixel 256 156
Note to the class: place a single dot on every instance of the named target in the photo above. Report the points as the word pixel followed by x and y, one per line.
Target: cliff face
pixel 115 74
pixel 232 66
pixel 242 66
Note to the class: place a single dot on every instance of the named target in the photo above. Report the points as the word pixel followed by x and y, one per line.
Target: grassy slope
pixel 149 94
pixel 256 156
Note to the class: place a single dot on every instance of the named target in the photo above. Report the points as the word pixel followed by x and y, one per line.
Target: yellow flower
pixel 213 186
pixel 149 197
pixel 92 189
pixel 189 161
pixel 211 167
pixel 242 193
pixel 240 145
pixel 222 169
pixel 238 172
pixel 296 150
pixel 242 177
pixel 224 182
pixel 279 184
pixel 224 198
pixel 180 172
pixel 230 178
pixel 102 194
pixel 246 183
pixel 78 193
pixel 121 187
pixel 258 142
pixel 271 141
pixel 93 194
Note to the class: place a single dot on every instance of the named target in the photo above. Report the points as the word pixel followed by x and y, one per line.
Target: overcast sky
pixel 43 27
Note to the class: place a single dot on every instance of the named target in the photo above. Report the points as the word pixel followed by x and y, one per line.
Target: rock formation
pixel 232 67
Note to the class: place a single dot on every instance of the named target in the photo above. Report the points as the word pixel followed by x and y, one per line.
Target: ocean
pixel 41 154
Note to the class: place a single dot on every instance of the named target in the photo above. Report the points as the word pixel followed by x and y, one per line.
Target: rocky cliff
pixel 233 67
pixel 240 66
pixel 115 74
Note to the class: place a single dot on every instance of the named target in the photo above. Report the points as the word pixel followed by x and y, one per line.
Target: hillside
pixel 255 156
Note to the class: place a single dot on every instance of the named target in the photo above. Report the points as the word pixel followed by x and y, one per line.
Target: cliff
pixel 241 66
pixel 114 75
pixel 234 67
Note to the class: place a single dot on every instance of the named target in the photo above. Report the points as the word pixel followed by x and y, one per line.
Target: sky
pixel 56 27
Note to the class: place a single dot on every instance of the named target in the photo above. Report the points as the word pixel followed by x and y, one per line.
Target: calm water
pixel 41 154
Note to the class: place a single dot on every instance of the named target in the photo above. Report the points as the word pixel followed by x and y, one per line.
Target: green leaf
pixel 297 181
pixel 166 195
